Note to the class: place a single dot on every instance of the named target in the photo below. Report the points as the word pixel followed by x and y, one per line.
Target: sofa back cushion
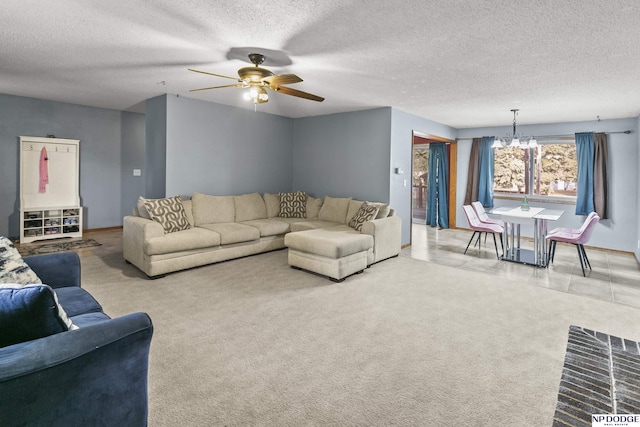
pixel 354 206
pixel 272 202
pixel 313 207
pixel 249 207
pixel 212 209
pixel 334 209
pixel 29 312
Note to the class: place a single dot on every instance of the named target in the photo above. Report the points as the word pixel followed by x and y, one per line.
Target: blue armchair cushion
pixel 28 312
pixel 76 301
pixel 13 269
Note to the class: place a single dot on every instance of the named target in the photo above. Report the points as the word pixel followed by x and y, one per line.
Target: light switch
pixel 137 172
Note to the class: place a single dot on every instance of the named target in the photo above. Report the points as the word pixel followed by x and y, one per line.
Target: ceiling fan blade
pixel 282 79
pixel 239 85
pixel 212 74
pixel 298 93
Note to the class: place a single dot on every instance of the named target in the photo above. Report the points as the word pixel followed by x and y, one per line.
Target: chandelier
pixel 515 139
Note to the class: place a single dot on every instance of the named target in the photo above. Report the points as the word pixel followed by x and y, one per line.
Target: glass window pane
pixel 510 166
pixel 556 170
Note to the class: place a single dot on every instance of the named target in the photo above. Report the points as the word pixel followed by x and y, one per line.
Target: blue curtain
pixel 485 171
pixel 438 186
pixel 585 154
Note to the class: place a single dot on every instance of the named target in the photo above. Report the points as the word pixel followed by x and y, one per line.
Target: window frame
pixel 531 167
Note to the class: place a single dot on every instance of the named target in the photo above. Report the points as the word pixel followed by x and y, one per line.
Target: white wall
pixel 621 231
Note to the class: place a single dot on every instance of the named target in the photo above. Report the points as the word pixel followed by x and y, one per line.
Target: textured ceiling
pixel 461 63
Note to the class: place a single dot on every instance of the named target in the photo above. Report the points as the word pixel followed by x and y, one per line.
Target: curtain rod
pixel 543 137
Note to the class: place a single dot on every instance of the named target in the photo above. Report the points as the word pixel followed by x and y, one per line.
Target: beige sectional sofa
pixel 180 234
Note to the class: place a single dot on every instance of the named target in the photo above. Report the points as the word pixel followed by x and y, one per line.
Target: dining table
pixel 513 218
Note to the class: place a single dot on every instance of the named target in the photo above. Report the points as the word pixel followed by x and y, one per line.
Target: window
pixel 546 170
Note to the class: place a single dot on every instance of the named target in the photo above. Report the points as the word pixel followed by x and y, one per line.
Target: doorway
pixel 420 160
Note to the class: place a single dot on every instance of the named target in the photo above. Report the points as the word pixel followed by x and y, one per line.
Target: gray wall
pixel 402 126
pixel 343 155
pixel 155 150
pixel 621 230
pixel 220 150
pixel 100 133
pixel 132 157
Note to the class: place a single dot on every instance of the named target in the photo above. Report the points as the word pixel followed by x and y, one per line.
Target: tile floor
pixel 615 276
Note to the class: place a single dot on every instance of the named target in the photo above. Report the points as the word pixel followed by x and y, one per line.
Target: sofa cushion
pixel 311 224
pixel 269 227
pixel 383 209
pixel 367 212
pixel 233 232
pixel 293 205
pixel 212 209
pixel 88 319
pixel 249 206
pixel 194 238
pixel 329 242
pixel 334 209
pixel 313 207
pixel 272 202
pixel 76 300
pixel 354 207
pixel 13 269
pixel 169 213
pixel 188 211
pixel 29 312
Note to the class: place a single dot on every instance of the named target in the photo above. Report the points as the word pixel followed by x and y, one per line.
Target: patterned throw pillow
pixel 366 213
pixel 169 213
pixel 293 205
pixel 13 269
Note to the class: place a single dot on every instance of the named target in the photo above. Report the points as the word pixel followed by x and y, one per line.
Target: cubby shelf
pixel 40 224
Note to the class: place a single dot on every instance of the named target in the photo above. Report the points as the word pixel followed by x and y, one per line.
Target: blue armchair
pixel 92 376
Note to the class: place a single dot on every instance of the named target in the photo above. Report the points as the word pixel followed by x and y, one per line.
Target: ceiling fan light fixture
pixel 257 95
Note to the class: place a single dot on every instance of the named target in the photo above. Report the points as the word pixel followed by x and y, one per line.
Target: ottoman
pixel 333 252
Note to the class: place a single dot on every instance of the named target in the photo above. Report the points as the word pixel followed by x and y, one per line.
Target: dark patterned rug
pixel 601 375
pixel 48 248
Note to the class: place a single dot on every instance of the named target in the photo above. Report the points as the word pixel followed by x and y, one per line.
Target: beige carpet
pixel 254 342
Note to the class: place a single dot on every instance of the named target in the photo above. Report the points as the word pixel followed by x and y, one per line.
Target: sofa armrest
pixel 56 270
pixel 387 236
pixel 96 375
pixel 135 232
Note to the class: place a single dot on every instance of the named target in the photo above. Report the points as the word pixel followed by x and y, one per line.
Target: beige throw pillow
pixel 334 209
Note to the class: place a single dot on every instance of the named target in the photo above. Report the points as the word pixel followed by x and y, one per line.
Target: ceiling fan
pixel 259 79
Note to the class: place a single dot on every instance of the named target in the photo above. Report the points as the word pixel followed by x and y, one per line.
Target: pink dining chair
pixel 480 227
pixel 577 237
pixel 482 215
